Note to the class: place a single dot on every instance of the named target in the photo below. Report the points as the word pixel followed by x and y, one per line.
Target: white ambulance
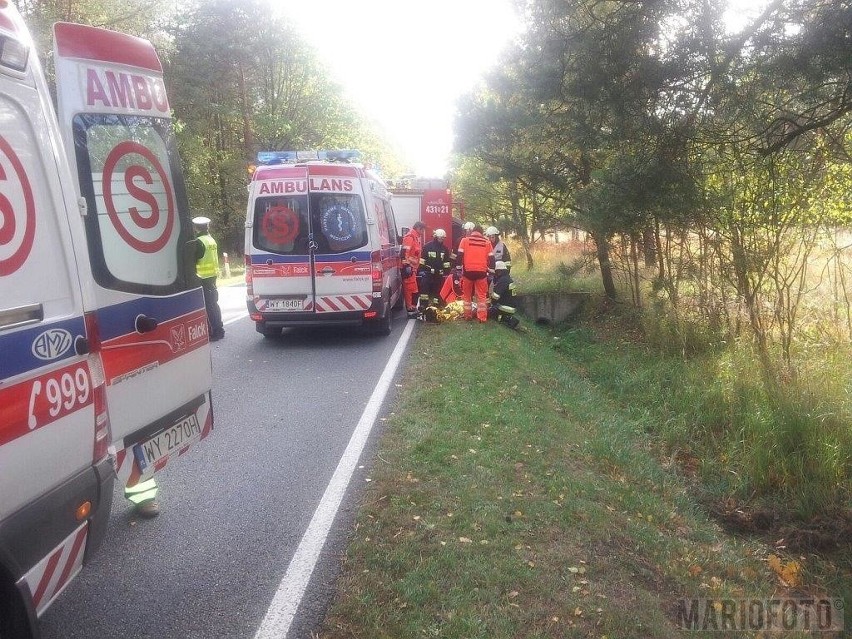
pixel 321 244
pixel 103 340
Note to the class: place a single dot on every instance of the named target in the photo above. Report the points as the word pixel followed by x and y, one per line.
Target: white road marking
pixel 282 610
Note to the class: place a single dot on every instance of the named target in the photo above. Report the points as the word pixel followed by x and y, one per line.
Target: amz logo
pixel 51 344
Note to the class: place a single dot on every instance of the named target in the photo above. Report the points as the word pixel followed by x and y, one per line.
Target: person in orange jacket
pixel 475 261
pixel 410 255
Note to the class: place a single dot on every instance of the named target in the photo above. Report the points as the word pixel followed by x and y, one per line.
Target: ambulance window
pixel 391 223
pixel 137 227
pixel 281 224
pixel 338 222
pixel 382 221
pixel 35 256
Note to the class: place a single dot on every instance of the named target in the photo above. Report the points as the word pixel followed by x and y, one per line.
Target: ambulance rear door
pixel 278 246
pixel 116 122
pixel 341 263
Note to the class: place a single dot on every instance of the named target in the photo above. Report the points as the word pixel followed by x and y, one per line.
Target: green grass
pixel 521 490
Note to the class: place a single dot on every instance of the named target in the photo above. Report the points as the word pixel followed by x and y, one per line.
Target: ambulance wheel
pixel 14 623
pixel 267 331
pixel 384 325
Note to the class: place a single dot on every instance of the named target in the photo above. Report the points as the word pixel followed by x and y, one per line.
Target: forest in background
pixel 240 80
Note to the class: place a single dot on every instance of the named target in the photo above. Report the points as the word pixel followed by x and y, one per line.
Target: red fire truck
pixel 428 200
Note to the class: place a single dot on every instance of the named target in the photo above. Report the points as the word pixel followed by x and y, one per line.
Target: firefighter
pixel 410 255
pixel 435 266
pixel 475 262
pixel 207 269
pixel 503 296
pixel 501 251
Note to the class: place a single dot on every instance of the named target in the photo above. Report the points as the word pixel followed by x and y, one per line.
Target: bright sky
pixel 405 62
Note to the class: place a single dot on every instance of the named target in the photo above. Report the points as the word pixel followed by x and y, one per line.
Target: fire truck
pixel 430 201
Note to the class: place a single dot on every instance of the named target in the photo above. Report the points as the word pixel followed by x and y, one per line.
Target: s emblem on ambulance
pixel 51 344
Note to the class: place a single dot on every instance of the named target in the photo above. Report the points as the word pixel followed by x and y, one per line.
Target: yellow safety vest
pixel 208 265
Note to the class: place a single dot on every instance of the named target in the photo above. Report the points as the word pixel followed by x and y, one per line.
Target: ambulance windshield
pixel 287 224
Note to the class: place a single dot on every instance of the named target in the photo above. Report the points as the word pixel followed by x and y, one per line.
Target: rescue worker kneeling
pixel 503 297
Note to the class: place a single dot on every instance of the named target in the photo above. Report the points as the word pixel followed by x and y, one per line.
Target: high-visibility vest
pixel 411 249
pixel 208 265
pixel 476 254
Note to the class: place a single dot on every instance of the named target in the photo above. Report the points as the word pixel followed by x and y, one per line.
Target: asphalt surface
pixel 235 508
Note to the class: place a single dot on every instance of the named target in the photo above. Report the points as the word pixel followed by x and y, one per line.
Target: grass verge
pixel 517 494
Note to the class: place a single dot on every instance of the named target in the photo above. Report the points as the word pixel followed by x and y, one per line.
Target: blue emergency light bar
pixel 291 157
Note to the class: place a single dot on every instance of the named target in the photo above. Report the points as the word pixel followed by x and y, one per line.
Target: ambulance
pixel 321 246
pixel 105 367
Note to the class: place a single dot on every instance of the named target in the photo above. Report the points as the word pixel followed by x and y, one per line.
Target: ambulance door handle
pixel 145 324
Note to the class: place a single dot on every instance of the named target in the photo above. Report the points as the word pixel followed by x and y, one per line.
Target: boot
pixel 148 509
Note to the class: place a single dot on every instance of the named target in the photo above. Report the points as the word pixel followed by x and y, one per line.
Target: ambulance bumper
pixel 289 320
pixel 34 531
pixel 341 318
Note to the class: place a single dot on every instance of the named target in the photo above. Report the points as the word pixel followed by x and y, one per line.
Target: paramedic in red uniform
pixel 476 260
pixel 410 255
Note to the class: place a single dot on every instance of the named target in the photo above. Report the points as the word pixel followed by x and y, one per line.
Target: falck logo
pixel 178 338
pixel 51 344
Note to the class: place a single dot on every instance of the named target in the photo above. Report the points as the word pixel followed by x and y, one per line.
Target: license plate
pixel 174 438
pixel 286 304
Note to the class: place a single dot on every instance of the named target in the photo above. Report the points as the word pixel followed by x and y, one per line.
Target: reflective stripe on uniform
pixel 141 492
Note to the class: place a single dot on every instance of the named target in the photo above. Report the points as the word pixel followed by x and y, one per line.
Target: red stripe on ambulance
pixel 135 353
pixel 40 401
pixel 47 578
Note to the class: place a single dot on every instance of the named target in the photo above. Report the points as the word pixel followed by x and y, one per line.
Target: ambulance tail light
pixel 377 271
pixel 249 285
pixel 103 434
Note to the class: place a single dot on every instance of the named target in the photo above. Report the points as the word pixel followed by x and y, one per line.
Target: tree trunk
pixel 649 246
pixel 248 136
pixel 602 250
pixel 634 279
pixel 658 247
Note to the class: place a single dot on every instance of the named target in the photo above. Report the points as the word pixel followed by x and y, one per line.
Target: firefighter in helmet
pixel 503 296
pixel 434 265
pixel 501 251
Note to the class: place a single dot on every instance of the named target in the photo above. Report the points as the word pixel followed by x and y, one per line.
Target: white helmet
pixel 440 233
pixel 492 230
pixel 500 266
pixel 468 226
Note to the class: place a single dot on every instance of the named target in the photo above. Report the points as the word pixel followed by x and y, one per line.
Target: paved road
pixel 236 508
